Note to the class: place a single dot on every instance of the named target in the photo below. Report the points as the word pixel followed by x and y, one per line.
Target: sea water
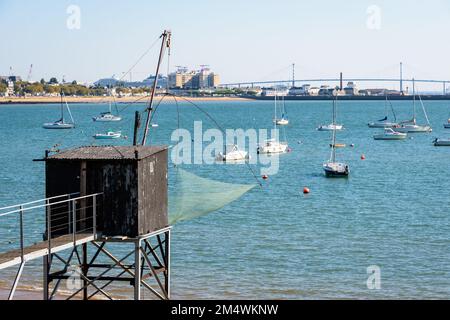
pixel 275 242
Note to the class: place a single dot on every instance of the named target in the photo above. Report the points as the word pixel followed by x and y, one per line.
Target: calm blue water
pixel 276 243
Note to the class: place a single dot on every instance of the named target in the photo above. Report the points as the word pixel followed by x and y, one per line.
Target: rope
pixel 221 129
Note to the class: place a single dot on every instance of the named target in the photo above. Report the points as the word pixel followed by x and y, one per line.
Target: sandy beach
pixel 47 100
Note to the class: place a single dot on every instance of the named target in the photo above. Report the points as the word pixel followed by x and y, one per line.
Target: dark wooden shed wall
pixel 134 191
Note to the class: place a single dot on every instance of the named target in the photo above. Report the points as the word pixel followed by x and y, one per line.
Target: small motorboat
pixel 232 153
pixel 331 127
pixel 107 117
pixel 336 170
pixel 339 145
pixel 441 142
pixel 390 134
pixel 281 122
pixel 447 125
pixel 109 135
pixel 273 146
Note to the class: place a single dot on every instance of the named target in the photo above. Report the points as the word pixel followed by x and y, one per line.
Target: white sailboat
pixel 284 120
pixel 332 168
pixel 411 126
pixel 61 124
pixel 385 123
pixel 108 116
pixel 232 153
pixel 333 126
pixel 273 146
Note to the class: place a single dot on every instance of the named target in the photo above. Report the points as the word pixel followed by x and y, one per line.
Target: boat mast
pixel 62 107
pixel 333 143
pixel 165 43
pixel 414 100
pixel 110 97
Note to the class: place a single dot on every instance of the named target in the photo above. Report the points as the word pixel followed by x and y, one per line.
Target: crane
pixel 30 73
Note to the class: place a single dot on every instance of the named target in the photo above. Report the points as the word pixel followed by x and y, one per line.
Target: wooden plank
pixel 39 250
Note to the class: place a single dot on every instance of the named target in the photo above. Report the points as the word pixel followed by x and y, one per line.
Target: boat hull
pixel 447 126
pixel 273 149
pixel 106 120
pixel 330 128
pixel 52 126
pixel 281 122
pixel 414 129
pixel 336 170
pixel 381 125
pixel 390 137
pixel 442 143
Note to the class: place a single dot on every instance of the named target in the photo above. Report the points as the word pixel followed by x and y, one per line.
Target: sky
pixel 241 40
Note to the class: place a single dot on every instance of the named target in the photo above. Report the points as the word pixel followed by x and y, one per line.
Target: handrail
pixel 49 204
pixel 76 214
pixel 41 200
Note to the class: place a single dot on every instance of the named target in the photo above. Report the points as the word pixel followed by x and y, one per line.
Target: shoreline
pixel 104 100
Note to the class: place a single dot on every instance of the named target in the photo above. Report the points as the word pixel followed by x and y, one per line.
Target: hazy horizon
pixel 250 41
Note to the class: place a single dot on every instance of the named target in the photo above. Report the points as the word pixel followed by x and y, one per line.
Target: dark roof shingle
pixel 108 153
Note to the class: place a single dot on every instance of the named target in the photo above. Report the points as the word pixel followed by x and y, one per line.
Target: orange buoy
pixel 363 157
pixel 306 190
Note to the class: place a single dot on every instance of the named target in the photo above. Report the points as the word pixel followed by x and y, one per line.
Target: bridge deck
pixel 39 250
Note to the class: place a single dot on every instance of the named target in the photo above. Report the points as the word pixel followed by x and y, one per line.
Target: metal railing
pixel 66 215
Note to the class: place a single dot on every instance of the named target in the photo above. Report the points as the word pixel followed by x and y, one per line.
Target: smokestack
pixel 341 84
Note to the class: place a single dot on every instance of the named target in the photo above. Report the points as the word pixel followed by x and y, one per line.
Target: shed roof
pixel 108 153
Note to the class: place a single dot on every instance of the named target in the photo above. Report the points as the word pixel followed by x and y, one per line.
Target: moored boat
pixel 333 168
pixel 61 123
pixel 441 142
pixel 390 134
pixel 109 135
pixel 232 153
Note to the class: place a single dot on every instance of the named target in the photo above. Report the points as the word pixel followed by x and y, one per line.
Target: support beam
pixel 137 271
pixel 16 281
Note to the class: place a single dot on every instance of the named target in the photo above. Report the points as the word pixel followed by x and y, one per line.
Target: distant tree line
pixel 22 88
pixel 53 87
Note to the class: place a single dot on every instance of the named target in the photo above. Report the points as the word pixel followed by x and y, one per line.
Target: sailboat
pixel 61 124
pixel 384 123
pixel 333 126
pixel 284 120
pixel 333 168
pixel 273 145
pixel 108 116
pixel 411 126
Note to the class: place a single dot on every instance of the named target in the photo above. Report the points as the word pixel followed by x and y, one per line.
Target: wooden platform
pixel 39 250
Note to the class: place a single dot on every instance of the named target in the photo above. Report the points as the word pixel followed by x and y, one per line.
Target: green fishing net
pixel 193 196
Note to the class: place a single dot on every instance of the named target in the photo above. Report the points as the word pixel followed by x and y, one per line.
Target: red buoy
pixel 363 157
pixel 306 190
pixel 265 177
